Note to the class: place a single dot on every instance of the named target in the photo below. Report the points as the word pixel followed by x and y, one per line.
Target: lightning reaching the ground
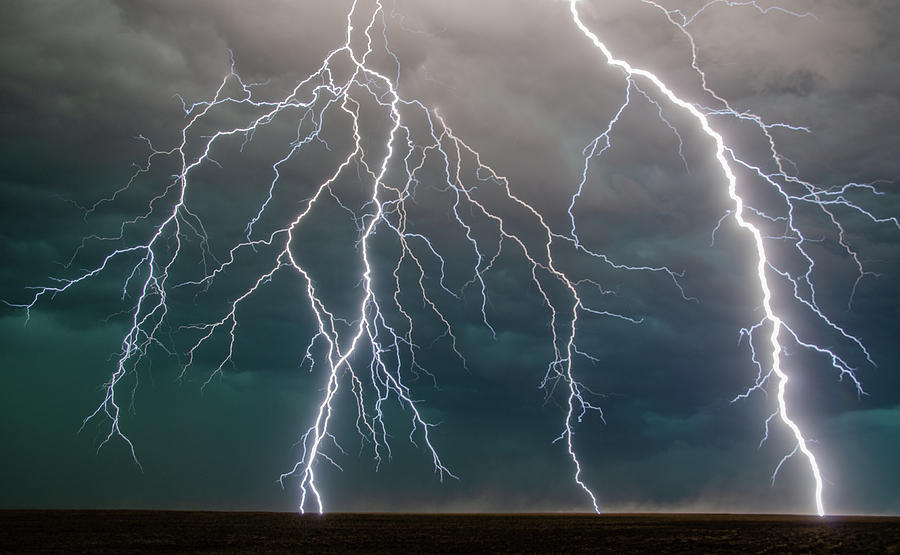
pixel 776 323
pixel 386 153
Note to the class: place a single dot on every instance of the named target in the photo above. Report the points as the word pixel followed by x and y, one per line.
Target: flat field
pixel 191 531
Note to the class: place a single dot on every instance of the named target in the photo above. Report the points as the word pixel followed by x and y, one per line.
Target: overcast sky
pixel 517 82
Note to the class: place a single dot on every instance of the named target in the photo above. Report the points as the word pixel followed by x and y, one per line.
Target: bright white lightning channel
pixel 762 259
pixel 411 137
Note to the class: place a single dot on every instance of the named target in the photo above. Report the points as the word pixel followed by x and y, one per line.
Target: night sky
pixel 79 81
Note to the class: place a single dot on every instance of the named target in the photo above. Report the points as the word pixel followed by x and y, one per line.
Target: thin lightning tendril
pixel 391 179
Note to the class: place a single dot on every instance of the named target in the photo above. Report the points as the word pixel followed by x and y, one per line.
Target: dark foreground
pixel 180 531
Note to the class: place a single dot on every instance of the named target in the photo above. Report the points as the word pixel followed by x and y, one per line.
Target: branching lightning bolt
pixel 391 173
pixel 803 289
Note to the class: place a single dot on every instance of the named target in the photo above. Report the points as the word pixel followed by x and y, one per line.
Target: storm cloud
pixel 82 80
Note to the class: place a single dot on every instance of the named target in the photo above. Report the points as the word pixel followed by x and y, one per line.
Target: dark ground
pixel 180 531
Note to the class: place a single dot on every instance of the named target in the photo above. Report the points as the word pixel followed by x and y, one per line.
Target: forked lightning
pixel 371 357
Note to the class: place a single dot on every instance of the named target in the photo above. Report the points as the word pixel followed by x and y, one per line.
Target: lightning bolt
pixel 802 285
pixel 373 350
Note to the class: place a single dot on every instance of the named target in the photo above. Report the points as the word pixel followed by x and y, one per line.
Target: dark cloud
pixel 515 81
